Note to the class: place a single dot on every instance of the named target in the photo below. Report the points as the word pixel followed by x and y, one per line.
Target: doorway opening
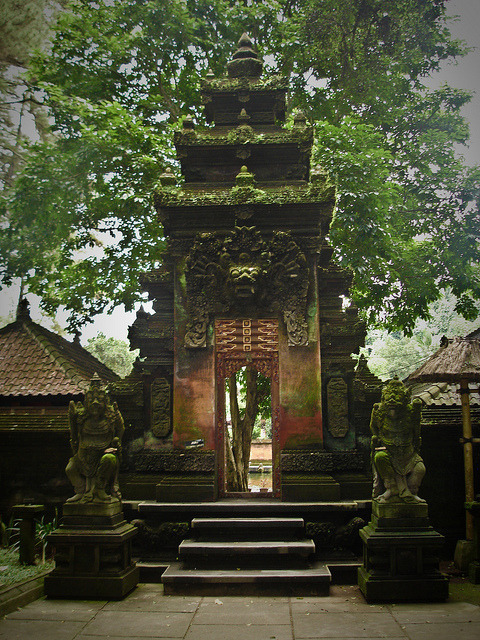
pixel 248 432
pixel 247 366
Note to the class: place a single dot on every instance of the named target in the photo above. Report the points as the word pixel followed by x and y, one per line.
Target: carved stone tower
pixel 247 281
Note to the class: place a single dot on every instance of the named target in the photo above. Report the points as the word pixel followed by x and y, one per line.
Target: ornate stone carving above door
pixel 241 273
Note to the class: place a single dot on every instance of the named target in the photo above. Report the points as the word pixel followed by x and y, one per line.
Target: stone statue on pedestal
pixel 395 426
pixel 96 430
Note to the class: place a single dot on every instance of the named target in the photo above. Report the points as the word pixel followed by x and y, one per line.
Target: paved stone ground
pixel 146 613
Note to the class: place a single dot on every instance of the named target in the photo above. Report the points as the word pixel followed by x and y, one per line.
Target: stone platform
pixel 93 557
pixel 401 555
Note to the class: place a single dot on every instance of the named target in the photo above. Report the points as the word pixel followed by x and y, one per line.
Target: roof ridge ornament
pixel 95 381
pixel 245 63
pixel 23 309
pixel 245 178
pixel 299 118
pixel 243 117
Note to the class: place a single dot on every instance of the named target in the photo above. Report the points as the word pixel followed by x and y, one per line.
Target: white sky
pixel 464 75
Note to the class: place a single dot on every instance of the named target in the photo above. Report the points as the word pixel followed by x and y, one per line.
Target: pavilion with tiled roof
pixel 40 372
pixel 442 451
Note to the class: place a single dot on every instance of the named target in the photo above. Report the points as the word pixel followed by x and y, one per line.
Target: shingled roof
pixel 436 381
pixel 442 394
pixel 38 362
pixel 457 359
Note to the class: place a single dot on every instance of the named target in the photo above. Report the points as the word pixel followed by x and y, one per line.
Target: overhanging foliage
pixel 79 217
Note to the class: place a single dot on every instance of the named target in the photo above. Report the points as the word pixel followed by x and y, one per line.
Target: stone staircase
pixel 247 556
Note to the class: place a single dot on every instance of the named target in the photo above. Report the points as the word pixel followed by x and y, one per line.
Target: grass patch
pixel 11 571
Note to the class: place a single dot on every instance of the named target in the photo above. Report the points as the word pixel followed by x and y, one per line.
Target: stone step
pixel 248 528
pixel 151 571
pixel 185 511
pixel 342 572
pixel 309 581
pixel 240 548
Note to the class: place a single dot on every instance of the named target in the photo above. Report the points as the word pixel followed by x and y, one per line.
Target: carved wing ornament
pixel 243 271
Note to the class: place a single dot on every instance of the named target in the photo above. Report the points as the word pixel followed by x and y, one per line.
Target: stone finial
pixel 168 178
pixel 245 62
pixel 245 47
pixel 299 119
pixel 317 174
pixel 245 178
pixel 243 117
pixel 209 73
pixel 76 337
pixel 362 364
pixel 188 123
pixel 96 381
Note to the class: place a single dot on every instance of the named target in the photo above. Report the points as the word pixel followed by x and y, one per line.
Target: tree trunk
pixel 238 446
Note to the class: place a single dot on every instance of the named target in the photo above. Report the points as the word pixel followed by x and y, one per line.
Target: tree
pixel 118 77
pixel 406 218
pixel 24 26
pixel 391 354
pixel 255 396
pixel 115 354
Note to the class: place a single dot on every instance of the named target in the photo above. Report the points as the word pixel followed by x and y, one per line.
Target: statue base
pixel 93 556
pixel 401 555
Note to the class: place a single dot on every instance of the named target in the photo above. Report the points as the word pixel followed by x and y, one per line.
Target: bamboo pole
pixel 467 455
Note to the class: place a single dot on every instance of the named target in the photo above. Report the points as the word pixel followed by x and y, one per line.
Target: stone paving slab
pixel 239 632
pixel 147 613
pixel 139 624
pixel 149 597
pixel 436 612
pixel 234 610
pixel 11 629
pixel 68 610
pixel 379 624
pixel 334 604
pixel 445 631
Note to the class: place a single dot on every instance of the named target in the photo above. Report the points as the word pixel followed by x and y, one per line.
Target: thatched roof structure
pixel 456 359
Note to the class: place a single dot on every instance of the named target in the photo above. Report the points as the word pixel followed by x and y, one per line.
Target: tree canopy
pixel 116 354
pixel 119 75
pixel 395 354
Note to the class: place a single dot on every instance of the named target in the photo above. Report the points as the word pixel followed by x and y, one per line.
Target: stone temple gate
pixel 247 281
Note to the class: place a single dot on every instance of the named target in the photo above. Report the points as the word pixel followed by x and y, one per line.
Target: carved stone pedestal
pixel 93 558
pixel 401 555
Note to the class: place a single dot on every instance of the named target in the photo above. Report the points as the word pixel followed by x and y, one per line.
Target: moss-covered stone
pixel 267 83
pixel 317 192
pixel 242 134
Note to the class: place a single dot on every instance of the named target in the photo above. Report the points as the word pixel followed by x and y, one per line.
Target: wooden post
pixel 467 454
pixel 27 513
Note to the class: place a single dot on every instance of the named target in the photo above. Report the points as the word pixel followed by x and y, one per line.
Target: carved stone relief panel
pixel 337 407
pixel 246 342
pixel 242 273
pixel 161 407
